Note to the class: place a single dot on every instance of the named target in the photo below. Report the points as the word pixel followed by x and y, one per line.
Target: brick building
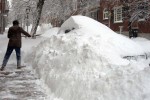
pixel 3 14
pixel 112 14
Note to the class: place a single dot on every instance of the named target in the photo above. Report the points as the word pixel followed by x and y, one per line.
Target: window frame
pixel 105 13
pixel 118 13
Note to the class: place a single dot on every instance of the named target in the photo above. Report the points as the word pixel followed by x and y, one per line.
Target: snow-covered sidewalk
pixel 20 85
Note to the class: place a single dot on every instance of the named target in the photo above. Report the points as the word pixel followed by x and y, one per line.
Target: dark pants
pixel 8 53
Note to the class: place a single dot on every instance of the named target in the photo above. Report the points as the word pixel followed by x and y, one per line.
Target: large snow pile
pixel 41 29
pixel 87 63
pixel 91 28
pixel 143 42
pixel 50 32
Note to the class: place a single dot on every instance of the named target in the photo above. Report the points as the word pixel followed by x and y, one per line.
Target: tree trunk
pixel 130 29
pixel 36 20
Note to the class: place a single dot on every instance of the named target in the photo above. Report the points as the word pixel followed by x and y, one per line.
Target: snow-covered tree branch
pixel 37 17
pixel 52 11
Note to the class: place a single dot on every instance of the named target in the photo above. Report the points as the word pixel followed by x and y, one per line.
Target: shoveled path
pixel 20 84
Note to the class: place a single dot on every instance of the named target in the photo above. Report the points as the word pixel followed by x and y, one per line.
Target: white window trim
pixel 116 14
pixel 105 11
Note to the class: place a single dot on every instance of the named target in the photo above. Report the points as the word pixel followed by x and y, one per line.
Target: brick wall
pixel 143 26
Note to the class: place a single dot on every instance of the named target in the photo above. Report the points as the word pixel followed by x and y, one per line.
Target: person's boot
pixel 19 67
pixel 2 68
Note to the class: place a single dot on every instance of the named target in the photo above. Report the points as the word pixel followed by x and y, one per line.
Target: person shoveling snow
pixel 14 35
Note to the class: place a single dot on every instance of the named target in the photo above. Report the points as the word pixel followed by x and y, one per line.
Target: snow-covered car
pixel 87 63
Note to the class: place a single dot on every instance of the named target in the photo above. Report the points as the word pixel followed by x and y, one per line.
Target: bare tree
pixel 36 19
pixel 19 11
pixel 63 9
pixel 16 12
pixel 136 10
pixel 51 11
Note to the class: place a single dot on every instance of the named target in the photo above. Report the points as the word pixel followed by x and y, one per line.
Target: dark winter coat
pixel 14 35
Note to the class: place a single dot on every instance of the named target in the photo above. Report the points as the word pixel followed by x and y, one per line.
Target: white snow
pixel 87 63
pixel 50 32
pixel 40 30
pixel 143 42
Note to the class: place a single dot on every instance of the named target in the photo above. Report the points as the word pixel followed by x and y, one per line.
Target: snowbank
pixel 50 32
pixel 87 63
pixel 41 29
pixel 143 42
pixel 109 40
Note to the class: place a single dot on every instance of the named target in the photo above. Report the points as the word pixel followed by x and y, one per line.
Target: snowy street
pixel 20 85
pixel 87 63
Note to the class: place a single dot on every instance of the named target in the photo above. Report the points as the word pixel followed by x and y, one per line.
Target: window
pixel 105 14
pixel 118 15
